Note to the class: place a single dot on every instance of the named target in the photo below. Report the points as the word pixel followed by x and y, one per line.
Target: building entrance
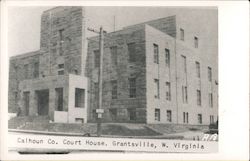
pixel 42 102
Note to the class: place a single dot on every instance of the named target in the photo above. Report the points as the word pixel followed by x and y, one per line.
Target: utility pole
pixel 100 111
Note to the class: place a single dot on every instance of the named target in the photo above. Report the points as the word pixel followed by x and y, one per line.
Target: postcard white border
pixel 233 82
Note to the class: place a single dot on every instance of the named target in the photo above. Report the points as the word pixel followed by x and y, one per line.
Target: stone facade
pixel 140 83
pixel 50 70
pixel 151 105
pixel 121 72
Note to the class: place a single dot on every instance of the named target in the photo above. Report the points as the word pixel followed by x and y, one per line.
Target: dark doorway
pixel 26 96
pixel 42 102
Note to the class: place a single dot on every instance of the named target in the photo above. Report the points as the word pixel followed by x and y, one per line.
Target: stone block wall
pixel 120 72
pixel 62 32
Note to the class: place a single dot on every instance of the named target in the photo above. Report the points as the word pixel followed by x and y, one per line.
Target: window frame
pixel 132 87
pixel 156 53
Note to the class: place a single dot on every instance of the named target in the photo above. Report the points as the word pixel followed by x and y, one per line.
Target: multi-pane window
pixel 211 119
pixel 198 92
pixel 167 57
pixel 182 34
pixel 157 88
pixel 131 52
pixel 113 51
pixel 210 98
pixel 184 63
pixel 114 89
pixel 199 118
pixel 185 117
pixel 36 70
pixel 97 58
pixel 157 114
pixel 168 91
pixel 196 42
pixel 169 115
pixel 26 71
pixel 198 69
pixel 209 73
pixel 184 94
pixel 79 97
pixel 59 99
pixel 132 87
pixel 156 54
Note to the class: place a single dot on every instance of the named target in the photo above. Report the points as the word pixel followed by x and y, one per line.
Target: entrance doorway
pixel 42 102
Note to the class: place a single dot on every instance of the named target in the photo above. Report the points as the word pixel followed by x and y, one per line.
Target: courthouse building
pixel 153 72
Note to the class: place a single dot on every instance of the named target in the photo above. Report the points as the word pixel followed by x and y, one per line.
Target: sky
pixel 24 22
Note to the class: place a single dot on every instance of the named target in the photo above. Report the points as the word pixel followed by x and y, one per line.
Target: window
pixel 36 70
pixel 131 52
pixel 157 115
pixel 59 99
pixel 61 72
pixel 79 120
pixel 182 34
pixel 79 97
pixel 210 95
pixel 211 119
pixel 61 69
pixel 199 118
pixel 157 88
pixel 184 63
pixel 167 57
pixel 60 66
pixel 132 114
pixel 114 89
pixel 196 42
pixel 61 35
pixel 198 70
pixel 169 115
pixel 132 87
pixel 113 51
pixel 168 91
pixel 26 71
pixel 156 54
pixel 185 117
pixel 209 74
pixel 61 41
pixel 97 58
pixel 198 97
pixel 184 94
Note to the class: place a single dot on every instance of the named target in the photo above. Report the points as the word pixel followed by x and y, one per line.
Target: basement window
pixel 79 97
pixel 79 120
